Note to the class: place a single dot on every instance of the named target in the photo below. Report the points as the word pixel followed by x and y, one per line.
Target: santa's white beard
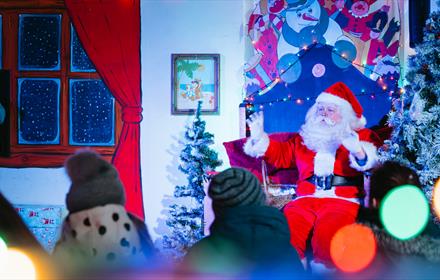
pixel 322 134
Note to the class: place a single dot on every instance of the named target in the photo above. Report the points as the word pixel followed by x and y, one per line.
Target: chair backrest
pixel 277 195
pixel 278 184
pixel 237 158
pixel 274 188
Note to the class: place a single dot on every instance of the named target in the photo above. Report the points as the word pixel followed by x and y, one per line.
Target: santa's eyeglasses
pixel 326 109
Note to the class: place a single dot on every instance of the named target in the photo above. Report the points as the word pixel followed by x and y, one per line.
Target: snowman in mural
pixel 306 23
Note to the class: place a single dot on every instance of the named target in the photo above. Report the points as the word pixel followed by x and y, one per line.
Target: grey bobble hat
pixel 235 187
pixel 95 182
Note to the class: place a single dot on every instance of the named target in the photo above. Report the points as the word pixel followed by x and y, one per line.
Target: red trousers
pixel 325 216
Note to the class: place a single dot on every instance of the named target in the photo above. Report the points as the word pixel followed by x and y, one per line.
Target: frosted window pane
pixel 38 107
pixel 92 113
pixel 39 42
pixel 80 62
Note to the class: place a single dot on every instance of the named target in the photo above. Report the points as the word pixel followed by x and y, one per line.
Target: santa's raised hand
pixel 353 145
pixel 257 144
pixel 256 125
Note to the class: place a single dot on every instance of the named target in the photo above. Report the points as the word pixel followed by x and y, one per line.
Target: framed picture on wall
pixel 194 77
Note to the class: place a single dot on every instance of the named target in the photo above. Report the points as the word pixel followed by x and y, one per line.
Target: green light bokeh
pixel 404 212
pixel 3 247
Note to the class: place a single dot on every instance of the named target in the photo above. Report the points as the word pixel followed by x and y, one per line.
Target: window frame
pixel 44 155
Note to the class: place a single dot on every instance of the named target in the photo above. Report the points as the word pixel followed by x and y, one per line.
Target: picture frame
pixel 194 77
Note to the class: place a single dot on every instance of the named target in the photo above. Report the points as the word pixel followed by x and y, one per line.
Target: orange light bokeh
pixel 353 248
pixel 436 198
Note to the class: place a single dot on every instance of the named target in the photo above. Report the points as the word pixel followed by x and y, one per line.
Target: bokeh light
pixel 228 263
pixel 436 198
pixel 404 212
pixel 3 246
pixel 16 265
pixel 353 247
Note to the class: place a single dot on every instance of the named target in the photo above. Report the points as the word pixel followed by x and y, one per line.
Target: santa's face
pixel 324 127
pixel 328 114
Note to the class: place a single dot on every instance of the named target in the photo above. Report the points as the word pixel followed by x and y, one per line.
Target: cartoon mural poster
pixel 195 78
pixel 360 33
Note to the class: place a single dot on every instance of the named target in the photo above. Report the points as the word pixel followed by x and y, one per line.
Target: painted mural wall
pixel 168 27
pixel 190 27
pixel 184 27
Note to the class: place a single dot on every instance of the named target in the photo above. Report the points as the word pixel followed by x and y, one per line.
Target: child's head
pixel 235 187
pixel 95 182
pixel 388 176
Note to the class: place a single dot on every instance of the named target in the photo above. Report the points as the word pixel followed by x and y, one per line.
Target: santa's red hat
pixel 341 95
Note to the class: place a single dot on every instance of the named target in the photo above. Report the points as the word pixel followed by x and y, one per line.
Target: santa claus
pixel 331 152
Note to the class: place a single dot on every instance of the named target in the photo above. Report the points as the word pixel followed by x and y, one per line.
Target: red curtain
pixel 110 34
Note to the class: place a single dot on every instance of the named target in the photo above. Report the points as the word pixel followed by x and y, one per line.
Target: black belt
pixel 327 182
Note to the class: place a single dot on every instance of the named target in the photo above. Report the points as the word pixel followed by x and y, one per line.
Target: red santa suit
pixel 321 209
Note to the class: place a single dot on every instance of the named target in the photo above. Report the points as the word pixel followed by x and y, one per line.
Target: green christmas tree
pixel 197 160
pixel 415 140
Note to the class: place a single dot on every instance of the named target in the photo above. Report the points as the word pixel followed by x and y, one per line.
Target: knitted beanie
pixel 95 182
pixel 235 187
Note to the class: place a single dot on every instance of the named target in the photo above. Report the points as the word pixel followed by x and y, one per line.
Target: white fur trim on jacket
pixel 256 147
pixel 372 158
pixel 324 163
pixel 321 269
pixel 362 121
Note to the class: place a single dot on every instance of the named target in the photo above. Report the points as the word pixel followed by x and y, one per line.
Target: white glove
pixel 256 125
pixel 351 143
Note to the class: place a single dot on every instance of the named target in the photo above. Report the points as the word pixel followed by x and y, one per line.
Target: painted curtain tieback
pixel 132 114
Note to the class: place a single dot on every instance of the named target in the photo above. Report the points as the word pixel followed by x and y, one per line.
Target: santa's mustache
pixel 328 121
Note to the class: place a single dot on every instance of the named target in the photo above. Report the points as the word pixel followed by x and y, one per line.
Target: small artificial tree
pixel 415 141
pixel 197 160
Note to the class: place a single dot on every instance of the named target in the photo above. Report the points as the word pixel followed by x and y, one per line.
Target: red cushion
pixel 237 158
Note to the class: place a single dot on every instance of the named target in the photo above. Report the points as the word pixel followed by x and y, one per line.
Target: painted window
pixel 1 42
pixel 39 42
pixel 80 62
pixel 91 106
pixel 38 111
pixel 58 102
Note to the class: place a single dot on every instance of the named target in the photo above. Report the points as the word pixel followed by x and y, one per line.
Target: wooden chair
pixel 277 194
